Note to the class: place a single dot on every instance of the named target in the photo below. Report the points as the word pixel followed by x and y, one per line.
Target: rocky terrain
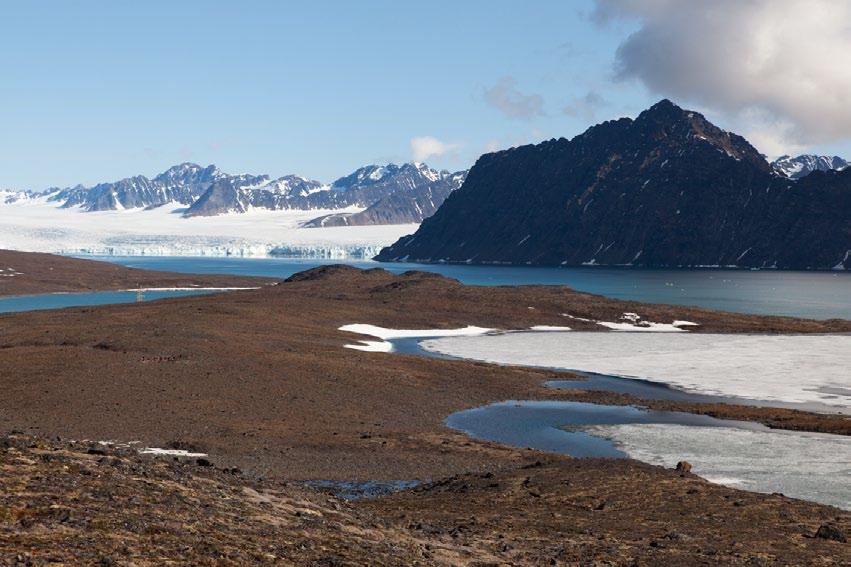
pixel 79 503
pixel 665 189
pixel 259 381
pixel 218 372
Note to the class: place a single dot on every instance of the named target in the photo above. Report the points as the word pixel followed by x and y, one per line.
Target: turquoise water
pixel 817 295
pixel 59 300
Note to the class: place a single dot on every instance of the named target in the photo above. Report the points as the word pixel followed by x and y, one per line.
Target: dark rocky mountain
pixel 407 203
pixel 220 198
pixel 803 165
pixel 666 189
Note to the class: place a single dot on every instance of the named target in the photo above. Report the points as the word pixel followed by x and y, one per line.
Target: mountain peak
pixel 803 165
pixel 666 120
pixel 665 105
pixel 666 113
pixel 185 166
pixel 667 189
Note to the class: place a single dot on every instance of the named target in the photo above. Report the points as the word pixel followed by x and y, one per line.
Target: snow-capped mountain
pixel 362 188
pixel 408 203
pixel 11 196
pixel 182 184
pixel 415 188
pixel 803 165
pixel 199 211
pixel 236 195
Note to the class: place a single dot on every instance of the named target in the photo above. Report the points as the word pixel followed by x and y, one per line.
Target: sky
pixel 96 91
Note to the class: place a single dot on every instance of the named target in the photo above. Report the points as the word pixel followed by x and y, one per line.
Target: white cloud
pixel 783 61
pixel 771 136
pixel 425 147
pixel 505 97
pixel 492 146
pixel 585 107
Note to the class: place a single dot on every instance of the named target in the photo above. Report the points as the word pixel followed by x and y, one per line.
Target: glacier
pixel 38 225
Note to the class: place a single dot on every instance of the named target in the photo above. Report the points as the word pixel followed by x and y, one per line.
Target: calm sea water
pixel 818 295
pixel 59 300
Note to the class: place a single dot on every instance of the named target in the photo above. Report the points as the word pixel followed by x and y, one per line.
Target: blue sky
pixel 99 90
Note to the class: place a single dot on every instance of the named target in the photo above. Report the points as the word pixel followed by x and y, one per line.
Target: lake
pixel 816 295
pixel 17 303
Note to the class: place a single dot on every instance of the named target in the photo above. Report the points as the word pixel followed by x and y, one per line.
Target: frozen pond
pixel 792 369
pixel 811 466
pixel 746 455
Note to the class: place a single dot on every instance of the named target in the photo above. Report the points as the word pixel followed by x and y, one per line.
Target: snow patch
pixel 633 322
pixel 569 316
pixel 386 334
pixel 371 346
pixel 169 452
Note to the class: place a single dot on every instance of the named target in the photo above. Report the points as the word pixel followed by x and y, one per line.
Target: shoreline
pixel 260 381
pixel 38 273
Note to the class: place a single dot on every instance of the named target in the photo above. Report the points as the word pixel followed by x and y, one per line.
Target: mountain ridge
pixel 804 164
pixel 392 193
pixel 665 189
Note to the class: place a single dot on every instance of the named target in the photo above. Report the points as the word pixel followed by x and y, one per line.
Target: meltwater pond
pixel 559 427
pixel 816 295
pixel 746 455
pixel 17 303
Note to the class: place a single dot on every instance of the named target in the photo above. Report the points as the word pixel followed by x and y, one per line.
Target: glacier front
pixel 39 225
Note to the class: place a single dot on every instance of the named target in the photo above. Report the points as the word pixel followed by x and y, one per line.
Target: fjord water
pixel 815 295
pixel 19 303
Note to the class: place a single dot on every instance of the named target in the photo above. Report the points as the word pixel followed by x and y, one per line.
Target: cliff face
pixel 666 189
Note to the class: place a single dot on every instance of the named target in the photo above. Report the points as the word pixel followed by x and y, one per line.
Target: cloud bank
pixel 585 107
pixel 425 147
pixel 505 97
pixel 783 67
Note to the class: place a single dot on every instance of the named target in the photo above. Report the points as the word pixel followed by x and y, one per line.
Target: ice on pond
pixel 785 368
pixel 811 466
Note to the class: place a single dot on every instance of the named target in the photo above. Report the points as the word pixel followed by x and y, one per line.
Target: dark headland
pixel 666 189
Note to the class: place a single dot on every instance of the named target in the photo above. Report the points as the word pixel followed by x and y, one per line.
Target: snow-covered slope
pixel 41 225
pixel 803 165
pixel 194 210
